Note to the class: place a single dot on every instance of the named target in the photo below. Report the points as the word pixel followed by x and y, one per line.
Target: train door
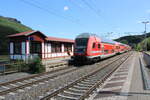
pixel 94 47
pixel 102 48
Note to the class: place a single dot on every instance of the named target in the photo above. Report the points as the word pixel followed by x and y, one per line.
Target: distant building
pixel 31 44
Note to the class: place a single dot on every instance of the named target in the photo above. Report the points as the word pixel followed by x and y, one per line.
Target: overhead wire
pixel 94 6
pixel 74 3
pixel 68 15
pixel 91 7
pixel 51 12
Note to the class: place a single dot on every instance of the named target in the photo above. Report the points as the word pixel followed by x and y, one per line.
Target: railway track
pixel 84 86
pixel 33 76
pixel 15 85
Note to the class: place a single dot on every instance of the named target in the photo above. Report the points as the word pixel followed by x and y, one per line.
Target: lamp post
pixel 145 23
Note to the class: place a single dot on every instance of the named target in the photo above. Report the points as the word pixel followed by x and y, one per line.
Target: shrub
pixel 35 66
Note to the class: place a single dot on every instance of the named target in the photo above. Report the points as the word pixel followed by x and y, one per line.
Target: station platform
pixel 56 60
pixel 126 83
pixel 55 63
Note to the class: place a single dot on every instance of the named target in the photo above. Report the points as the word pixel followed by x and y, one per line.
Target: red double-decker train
pixel 90 47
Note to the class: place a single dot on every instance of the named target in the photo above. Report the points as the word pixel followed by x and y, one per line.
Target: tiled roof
pixel 46 38
pixel 21 34
pixel 59 39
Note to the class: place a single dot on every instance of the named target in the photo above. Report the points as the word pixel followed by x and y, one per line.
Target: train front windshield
pixel 81 41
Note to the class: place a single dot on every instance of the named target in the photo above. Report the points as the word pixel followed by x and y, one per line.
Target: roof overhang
pixel 27 33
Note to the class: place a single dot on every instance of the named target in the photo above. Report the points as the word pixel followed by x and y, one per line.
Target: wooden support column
pixel 11 48
pixel 43 51
pixel 23 50
pixel 62 47
pixel 72 47
pixel 27 49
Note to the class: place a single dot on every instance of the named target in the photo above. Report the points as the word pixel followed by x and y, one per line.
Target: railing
pixel 7 66
pixel 11 68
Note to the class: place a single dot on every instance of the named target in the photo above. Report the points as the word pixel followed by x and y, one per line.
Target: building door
pixel 36 48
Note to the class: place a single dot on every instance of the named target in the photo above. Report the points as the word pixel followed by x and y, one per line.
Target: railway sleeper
pixel 60 98
pixel 87 85
pixel 14 85
pixel 84 85
pixel 21 83
pixel 78 90
pixel 88 82
pixel 73 93
pixel 93 80
pixel 68 96
pixel 26 81
pixel 78 87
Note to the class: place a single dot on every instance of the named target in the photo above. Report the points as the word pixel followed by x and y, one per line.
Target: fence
pixel 7 68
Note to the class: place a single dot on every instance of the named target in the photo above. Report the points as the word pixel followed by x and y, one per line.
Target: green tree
pixel 124 41
pixel 139 47
pixel 145 44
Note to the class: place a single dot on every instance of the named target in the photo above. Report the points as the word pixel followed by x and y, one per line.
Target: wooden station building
pixel 31 44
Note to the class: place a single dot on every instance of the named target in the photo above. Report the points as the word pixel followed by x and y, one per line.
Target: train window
pixel 99 46
pixel 81 41
pixel 112 51
pixel 117 47
pixel 94 45
pixel 106 51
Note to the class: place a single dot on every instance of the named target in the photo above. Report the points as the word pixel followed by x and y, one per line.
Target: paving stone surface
pixel 121 84
pixel 137 91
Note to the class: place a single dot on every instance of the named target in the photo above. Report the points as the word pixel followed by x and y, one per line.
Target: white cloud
pixel 117 29
pixel 139 22
pixel 66 8
pixel 148 11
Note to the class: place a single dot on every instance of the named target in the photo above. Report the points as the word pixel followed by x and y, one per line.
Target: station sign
pixel 30 38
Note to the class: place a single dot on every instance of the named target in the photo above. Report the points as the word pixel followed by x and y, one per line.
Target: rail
pixel 56 92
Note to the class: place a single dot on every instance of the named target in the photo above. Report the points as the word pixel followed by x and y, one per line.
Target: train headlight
pixel 84 49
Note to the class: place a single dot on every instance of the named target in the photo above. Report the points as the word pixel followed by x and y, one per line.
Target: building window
pixel 53 48
pixel 56 47
pixel 35 47
pixel 17 48
pixel 67 47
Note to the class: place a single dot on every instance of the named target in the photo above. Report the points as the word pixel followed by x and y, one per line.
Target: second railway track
pixel 27 81
pixel 84 86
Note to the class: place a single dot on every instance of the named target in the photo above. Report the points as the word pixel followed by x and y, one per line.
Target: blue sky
pixel 68 18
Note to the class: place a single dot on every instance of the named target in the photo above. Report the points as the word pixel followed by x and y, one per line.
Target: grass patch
pixel 4 58
pixel 8 27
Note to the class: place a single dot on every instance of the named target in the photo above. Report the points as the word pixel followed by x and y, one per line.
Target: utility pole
pixel 145 23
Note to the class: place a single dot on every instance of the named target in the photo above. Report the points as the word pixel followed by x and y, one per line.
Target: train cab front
pixel 80 50
pixel 80 54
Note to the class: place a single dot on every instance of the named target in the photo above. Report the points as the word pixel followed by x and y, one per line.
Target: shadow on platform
pixel 112 93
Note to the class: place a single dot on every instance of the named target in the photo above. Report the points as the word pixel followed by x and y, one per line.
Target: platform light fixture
pixel 145 23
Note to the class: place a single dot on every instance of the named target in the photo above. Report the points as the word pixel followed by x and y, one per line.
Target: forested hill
pixel 132 40
pixel 9 26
